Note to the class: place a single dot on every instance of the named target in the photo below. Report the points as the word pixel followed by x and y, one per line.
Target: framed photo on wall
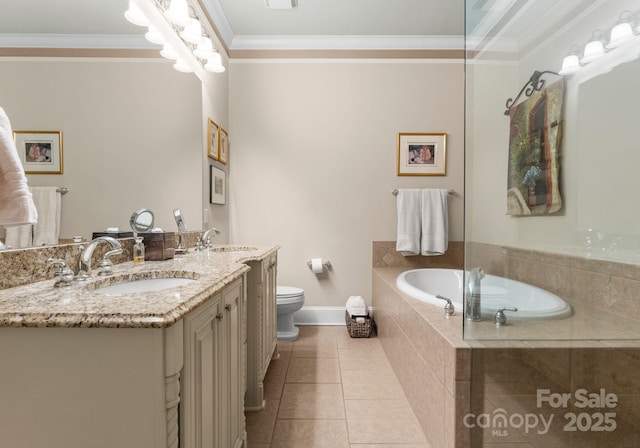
pixel 224 146
pixel 422 154
pixel 40 151
pixel 217 185
pixel 212 140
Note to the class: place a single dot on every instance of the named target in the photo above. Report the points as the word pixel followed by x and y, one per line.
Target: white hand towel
pixel 409 229
pixel 18 237
pixel 16 204
pixel 48 202
pixel 435 222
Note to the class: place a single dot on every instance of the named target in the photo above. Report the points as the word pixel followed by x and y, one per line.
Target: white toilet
pixel 288 300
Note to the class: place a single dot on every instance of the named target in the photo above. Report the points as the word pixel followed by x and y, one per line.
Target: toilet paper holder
pixel 325 264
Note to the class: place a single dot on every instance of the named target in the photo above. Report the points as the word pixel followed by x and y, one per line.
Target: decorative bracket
pixel 534 84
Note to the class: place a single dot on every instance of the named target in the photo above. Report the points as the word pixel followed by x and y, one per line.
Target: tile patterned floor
pixel 328 390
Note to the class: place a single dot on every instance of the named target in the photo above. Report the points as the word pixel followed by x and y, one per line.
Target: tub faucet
pixel 472 309
pixel 87 253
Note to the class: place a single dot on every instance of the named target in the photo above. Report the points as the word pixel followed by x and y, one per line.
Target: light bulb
pixel 594 48
pixel 154 36
pixel 168 52
pixel 182 66
pixel 620 34
pixel 192 32
pixel 570 64
pixel 214 64
pixel 135 15
pixel 204 49
pixel 178 12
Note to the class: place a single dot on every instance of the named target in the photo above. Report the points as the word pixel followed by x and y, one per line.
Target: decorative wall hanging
pixel 40 151
pixel 422 154
pixel 534 143
pixel 212 140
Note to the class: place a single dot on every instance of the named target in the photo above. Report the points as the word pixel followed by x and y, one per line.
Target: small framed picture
pixel 217 185
pixel 212 140
pixel 224 146
pixel 40 151
pixel 422 154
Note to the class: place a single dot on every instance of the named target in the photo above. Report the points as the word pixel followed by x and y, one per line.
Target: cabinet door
pixel 234 367
pixel 200 405
pixel 269 312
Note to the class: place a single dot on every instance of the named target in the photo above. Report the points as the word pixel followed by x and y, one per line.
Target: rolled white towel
pixel 356 306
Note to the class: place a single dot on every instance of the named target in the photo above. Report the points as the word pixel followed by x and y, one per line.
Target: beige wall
pixel 314 159
pixel 131 136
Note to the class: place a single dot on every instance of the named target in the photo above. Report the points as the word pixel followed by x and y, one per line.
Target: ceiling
pixel 429 28
pixel 242 24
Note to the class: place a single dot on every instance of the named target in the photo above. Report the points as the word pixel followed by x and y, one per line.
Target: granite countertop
pixel 41 305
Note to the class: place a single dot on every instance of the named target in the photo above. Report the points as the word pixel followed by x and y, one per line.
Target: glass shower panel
pixel 551 221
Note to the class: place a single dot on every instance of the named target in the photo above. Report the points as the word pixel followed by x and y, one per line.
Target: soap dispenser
pixel 138 251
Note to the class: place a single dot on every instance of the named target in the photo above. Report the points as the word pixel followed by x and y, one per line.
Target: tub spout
pixel 472 311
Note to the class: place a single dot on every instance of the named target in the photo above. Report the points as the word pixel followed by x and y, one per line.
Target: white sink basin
pixel 143 285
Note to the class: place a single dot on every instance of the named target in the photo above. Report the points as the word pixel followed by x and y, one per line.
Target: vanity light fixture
pixel 178 13
pixel 154 36
pixel 571 62
pixel 135 16
pixel 594 48
pixel 191 33
pixel 622 31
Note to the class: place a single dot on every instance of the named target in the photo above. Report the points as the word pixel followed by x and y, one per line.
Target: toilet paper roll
pixel 316 265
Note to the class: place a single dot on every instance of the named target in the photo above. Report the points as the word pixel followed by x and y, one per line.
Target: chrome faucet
pixel 472 309
pixel 106 264
pixel 204 240
pixel 501 318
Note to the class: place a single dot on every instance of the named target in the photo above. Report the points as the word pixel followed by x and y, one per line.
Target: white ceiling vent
pixel 281 4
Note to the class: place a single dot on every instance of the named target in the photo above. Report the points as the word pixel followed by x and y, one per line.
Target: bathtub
pixel 532 302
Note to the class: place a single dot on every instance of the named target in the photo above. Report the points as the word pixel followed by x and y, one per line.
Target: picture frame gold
pixel 223 146
pixel 213 151
pixel 422 154
pixel 40 152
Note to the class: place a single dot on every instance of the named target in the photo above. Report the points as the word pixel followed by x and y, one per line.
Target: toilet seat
pixel 288 294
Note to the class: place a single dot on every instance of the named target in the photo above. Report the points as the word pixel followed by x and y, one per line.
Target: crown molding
pixel 110 41
pixel 347 43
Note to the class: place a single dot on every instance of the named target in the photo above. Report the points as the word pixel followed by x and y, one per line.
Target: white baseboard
pixel 320 315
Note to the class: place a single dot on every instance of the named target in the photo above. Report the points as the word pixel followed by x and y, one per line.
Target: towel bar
pixel 395 192
pixel 62 190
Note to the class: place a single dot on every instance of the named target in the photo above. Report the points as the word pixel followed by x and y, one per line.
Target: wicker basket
pixel 357 329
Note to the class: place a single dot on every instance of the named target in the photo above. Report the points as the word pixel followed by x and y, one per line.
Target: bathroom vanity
pixel 160 368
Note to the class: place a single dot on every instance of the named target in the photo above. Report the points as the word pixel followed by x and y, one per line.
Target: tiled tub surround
pixel 39 304
pixel 446 377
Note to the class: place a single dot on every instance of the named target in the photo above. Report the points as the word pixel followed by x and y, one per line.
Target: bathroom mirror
pixel 141 220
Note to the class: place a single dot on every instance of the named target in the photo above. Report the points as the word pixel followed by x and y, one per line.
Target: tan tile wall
pixel 605 286
pixel 385 256
pixel 433 372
